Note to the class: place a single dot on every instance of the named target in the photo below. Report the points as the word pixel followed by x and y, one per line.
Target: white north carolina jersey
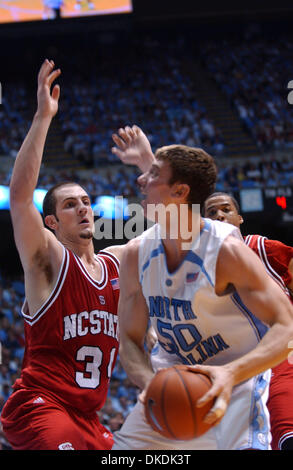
pixel 193 324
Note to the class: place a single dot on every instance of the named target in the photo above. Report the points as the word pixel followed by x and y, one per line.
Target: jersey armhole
pixel 110 256
pixel 31 319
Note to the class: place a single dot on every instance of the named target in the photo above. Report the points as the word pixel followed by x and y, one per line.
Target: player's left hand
pixel 133 147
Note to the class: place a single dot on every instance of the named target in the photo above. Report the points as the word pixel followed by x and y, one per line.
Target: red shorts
pixel 34 421
pixel 280 403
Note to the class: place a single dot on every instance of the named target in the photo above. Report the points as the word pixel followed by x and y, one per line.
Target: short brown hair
pixel 192 166
pixel 49 202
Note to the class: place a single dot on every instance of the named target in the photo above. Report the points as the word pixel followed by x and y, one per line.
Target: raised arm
pixel 31 237
pixel 40 252
pixel 237 264
pixel 133 319
pixel 133 148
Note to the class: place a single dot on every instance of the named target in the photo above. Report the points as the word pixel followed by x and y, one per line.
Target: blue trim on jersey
pixel 193 258
pixel 259 423
pixel 259 327
pixel 156 252
pixel 207 225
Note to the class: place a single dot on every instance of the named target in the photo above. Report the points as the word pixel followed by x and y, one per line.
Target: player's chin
pixel 86 234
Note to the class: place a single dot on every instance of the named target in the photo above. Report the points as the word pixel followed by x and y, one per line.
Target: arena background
pixel 217 56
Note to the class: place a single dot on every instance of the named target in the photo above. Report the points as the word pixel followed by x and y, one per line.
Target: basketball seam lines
pixel 190 401
pixel 163 407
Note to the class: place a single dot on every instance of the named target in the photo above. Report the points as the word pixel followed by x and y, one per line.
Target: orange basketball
pixel 170 404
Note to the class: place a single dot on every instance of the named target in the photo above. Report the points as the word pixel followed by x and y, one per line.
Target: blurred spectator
pixel 254 80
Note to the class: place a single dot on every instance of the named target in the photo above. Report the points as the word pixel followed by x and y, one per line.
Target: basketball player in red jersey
pixel 278 260
pixel 70 311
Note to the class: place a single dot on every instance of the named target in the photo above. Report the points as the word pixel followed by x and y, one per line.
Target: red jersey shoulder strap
pixel 257 244
pixel 110 259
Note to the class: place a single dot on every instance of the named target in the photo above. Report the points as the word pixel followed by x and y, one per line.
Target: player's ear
pixel 51 222
pixel 241 219
pixel 181 190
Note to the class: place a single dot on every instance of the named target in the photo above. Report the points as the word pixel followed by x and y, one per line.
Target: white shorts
pixel 244 426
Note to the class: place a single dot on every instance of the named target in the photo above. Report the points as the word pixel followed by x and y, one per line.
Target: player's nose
pixel 220 216
pixel 141 181
pixel 82 208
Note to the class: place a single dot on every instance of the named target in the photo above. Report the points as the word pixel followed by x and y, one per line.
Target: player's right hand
pixel 133 147
pixel 47 99
pixel 222 383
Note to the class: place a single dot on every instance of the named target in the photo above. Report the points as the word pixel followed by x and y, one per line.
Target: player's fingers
pixel 217 412
pixel 136 129
pixel 141 396
pixel 124 135
pixel 214 391
pixel 56 92
pixel 130 131
pixel 201 369
pixel 53 76
pixel 119 142
pixel 46 67
pixel 117 152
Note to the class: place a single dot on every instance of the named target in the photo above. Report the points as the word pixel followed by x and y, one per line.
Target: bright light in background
pixel 108 207
pixel 4 197
pixel 39 195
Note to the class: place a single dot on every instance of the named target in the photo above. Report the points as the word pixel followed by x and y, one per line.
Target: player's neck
pixel 83 249
pixel 177 248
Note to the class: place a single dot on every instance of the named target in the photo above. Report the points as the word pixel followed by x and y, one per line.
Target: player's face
pixel 154 184
pixel 74 212
pixel 222 208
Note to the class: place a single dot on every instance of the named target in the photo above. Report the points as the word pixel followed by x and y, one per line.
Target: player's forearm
pixel 136 363
pixel 145 161
pixel 271 351
pixel 28 162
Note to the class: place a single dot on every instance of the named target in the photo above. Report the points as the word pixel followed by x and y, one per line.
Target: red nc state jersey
pixel 72 340
pixel 275 256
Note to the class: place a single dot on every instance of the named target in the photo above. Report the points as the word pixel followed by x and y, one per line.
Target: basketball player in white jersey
pixel 213 307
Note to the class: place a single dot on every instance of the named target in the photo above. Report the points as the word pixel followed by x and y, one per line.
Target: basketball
pixel 170 404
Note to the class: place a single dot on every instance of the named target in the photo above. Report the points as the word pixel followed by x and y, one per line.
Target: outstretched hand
pixel 133 147
pixel 47 98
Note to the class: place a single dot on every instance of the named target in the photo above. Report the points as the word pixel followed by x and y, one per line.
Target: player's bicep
pixel 132 307
pixel 30 235
pixel 240 266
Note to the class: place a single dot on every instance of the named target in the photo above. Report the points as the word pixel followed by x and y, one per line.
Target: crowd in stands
pixel 122 181
pixel 253 72
pixel 14 118
pixel 151 89
pixel 253 173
